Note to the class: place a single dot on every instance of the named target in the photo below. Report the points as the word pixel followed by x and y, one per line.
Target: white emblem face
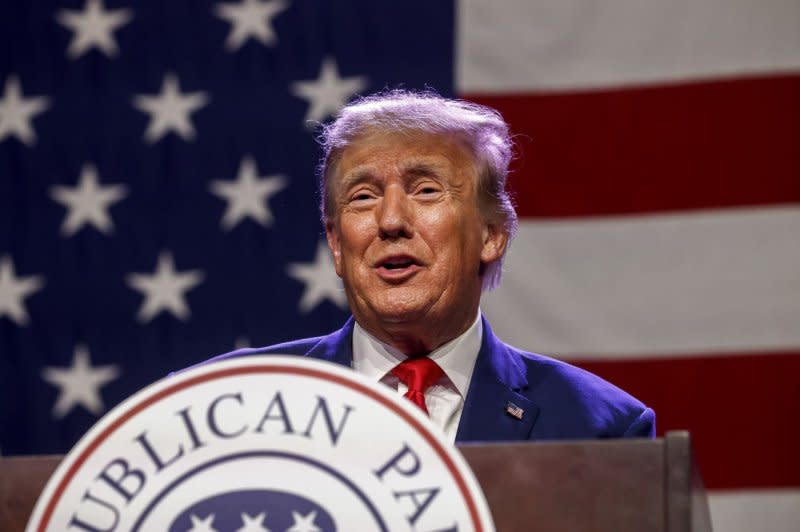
pixel 263 443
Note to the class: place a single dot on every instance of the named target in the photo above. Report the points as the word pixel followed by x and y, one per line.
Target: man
pixel 418 221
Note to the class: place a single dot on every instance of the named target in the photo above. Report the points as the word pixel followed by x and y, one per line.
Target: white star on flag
pixel 202 525
pixel 169 111
pixel 16 112
pixel 250 18
pixel 14 289
pixel 328 93
pixel 80 383
pixel 253 524
pixel 320 279
pixel 165 289
pixel 304 523
pixel 93 27
pixel 88 202
pixel 248 195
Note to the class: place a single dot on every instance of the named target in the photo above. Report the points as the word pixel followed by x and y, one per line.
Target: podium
pixel 592 486
pixel 581 486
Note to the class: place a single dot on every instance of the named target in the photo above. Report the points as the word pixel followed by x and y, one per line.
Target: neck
pixel 418 339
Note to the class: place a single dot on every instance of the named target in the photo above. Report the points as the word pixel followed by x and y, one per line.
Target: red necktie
pixel 418 374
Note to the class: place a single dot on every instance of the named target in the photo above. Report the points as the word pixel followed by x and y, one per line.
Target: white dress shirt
pixel 445 398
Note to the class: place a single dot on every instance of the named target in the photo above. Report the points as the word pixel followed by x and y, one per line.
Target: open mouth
pixel 397 264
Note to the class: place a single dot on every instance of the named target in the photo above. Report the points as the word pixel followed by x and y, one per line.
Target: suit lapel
pixel 496 382
pixel 337 347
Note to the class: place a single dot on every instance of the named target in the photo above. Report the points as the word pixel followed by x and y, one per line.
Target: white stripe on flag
pixel 523 45
pixel 755 510
pixel 701 282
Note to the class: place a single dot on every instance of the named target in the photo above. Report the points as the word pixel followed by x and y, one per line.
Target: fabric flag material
pixel 659 180
pixel 158 200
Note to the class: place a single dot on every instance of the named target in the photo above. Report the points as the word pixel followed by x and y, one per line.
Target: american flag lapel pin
pixel 514 410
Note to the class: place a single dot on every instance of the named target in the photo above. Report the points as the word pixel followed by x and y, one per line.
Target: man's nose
pixel 395 214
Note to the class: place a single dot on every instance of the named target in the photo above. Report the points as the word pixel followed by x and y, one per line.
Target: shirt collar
pixel 374 358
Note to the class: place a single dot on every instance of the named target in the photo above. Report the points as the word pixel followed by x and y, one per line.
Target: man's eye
pixel 428 190
pixel 362 196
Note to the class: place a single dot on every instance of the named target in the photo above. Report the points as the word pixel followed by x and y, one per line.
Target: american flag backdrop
pixel 158 200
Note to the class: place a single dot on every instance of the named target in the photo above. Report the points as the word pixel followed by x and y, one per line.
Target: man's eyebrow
pixel 421 168
pixel 413 168
pixel 357 176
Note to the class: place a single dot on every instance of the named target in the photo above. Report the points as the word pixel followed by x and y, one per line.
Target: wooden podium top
pixel 599 485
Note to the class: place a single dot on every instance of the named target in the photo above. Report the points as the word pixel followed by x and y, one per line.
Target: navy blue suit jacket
pixel 559 401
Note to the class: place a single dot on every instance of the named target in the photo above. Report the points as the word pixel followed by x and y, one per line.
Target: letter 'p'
pixel 405 462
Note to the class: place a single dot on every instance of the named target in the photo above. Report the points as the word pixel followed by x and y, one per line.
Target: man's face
pixel 408 239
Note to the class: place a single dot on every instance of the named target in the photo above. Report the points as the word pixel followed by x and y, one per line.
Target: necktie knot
pixel 418 374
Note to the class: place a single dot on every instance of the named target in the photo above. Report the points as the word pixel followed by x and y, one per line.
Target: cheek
pixel 452 229
pixel 355 238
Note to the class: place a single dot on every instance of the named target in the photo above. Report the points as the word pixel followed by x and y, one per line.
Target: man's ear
pixel 335 245
pixel 495 239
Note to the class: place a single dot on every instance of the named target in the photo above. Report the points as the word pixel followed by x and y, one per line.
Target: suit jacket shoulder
pixel 556 400
pixel 516 395
pixel 295 347
pixel 581 404
pixel 335 347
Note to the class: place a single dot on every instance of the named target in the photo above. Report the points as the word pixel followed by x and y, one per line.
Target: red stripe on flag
pixel 743 411
pixel 639 150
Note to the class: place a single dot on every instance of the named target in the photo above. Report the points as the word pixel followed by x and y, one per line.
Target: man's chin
pixel 397 316
pixel 394 313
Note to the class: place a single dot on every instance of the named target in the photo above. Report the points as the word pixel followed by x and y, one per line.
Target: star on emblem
pixel 329 92
pixel 202 525
pixel 165 289
pixel 320 279
pixel 93 28
pixel 79 385
pixel 253 524
pixel 250 18
pixel 88 202
pixel 248 195
pixel 14 289
pixel 304 523
pixel 169 111
pixel 16 112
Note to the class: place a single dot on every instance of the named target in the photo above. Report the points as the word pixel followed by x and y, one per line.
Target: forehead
pixel 405 152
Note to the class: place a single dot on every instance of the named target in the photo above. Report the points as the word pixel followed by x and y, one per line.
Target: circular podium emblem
pixel 263 443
